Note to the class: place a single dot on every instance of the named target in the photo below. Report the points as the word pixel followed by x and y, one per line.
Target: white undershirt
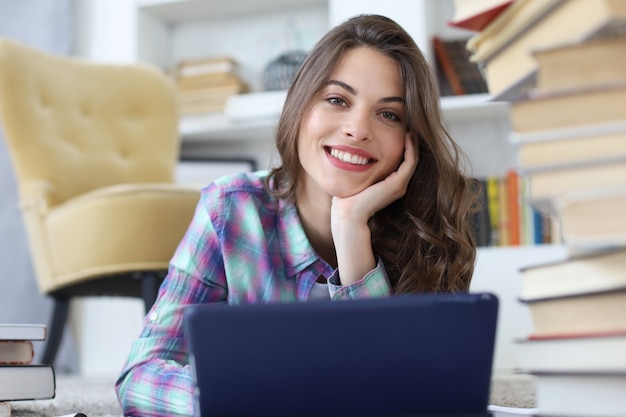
pixel 319 292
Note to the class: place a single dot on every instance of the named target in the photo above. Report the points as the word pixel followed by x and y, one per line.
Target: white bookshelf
pixel 255 31
pixel 160 32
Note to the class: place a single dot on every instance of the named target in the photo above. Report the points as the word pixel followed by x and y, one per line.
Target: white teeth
pixel 347 157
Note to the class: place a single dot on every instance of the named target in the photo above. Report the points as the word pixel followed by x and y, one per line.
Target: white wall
pixel 46 25
pixel 105 30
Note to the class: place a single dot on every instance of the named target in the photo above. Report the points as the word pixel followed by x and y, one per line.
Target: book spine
pixel 513 203
pixel 493 200
pixel 481 222
pixel 503 199
pixel 444 61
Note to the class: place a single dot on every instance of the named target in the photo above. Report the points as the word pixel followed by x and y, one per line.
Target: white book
pixel 28 382
pixel 576 353
pixel 581 395
pixel 14 331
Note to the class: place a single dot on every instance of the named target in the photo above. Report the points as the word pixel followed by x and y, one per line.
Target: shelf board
pixel 176 11
pixel 473 106
pixel 240 122
pixel 247 117
pixel 217 127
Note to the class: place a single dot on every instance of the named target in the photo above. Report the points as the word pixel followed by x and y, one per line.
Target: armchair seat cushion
pixel 119 228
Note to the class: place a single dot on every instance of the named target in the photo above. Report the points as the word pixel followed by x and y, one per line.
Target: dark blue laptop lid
pixel 400 355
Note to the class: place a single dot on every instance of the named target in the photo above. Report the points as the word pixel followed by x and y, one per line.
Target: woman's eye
pixel 336 101
pixel 390 116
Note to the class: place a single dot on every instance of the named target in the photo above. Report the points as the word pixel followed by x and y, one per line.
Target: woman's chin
pixel 343 192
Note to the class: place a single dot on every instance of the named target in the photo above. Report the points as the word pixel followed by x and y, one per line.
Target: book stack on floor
pixel 562 66
pixel 20 378
pixel 577 350
pixel 205 84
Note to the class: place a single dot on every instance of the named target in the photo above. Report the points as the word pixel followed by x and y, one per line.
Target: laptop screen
pixel 398 355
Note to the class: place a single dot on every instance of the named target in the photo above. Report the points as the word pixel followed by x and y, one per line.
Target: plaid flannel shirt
pixel 242 246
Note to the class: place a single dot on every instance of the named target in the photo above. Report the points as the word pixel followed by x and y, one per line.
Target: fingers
pixel 389 189
pixel 410 153
pixel 408 165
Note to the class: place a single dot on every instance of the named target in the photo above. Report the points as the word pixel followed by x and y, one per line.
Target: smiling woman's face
pixel 352 134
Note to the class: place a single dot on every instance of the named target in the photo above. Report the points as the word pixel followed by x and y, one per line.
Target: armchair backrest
pixel 72 126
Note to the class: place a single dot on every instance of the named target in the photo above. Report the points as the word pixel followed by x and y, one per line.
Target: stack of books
pixel 562 66
pixel 577 350
pixel 20 378
pixel 205 84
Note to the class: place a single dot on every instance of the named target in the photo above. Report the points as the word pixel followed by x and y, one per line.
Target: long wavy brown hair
pixel 425 238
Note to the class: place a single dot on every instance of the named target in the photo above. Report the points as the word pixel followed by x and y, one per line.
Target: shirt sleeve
pixel 374 284
pixel 156 379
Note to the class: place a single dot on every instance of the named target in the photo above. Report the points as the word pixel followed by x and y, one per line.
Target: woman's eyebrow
pixel 353 91
pixel 343 85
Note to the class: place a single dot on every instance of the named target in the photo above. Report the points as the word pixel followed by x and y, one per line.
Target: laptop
pixel 394 356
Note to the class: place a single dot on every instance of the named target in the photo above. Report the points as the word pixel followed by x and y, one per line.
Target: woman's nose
pixel 358 125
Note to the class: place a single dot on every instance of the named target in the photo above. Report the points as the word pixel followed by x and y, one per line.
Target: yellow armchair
pixel 94 148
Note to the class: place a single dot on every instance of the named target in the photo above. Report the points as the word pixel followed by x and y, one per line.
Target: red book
pixel 475 15
pixel 513 204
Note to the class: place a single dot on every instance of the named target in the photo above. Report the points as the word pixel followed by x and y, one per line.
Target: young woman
pixel 370 201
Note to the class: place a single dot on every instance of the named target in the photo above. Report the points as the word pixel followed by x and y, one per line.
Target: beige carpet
pixel 95 397
pixel 91 396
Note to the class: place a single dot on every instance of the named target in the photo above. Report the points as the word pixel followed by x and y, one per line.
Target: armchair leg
pixel 149 289
pixel 56 329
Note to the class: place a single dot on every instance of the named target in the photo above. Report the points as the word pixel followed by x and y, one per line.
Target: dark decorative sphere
pixel 280 72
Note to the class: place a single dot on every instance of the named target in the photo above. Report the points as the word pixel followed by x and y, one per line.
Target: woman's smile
pixel 346 155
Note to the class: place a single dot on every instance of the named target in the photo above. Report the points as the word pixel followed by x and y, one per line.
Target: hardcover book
pixel 576 107
pixel 593 217
pixel 595 62
pixel 584 273
pixel 28 382
pixel 14 331
pixel 16 352
pixel 591 312
pixel 475 15
pixel 581 394
pixel 570 145
pixel 558 182
pixel 572 353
